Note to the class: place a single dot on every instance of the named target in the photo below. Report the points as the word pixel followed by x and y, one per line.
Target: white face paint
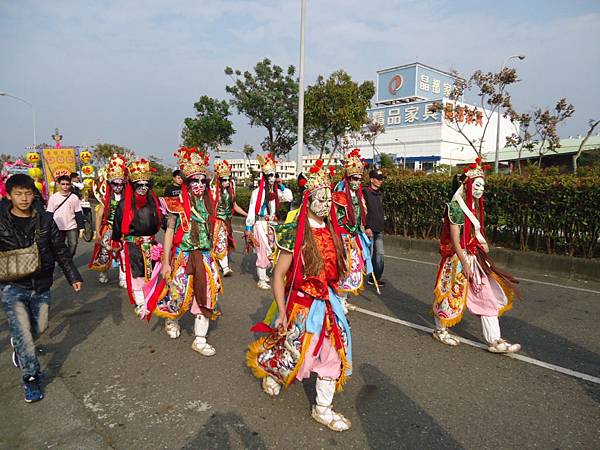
pixel 271 178
pixel 197 185
pixel 141 187
pixel 478 187
pixel 320 202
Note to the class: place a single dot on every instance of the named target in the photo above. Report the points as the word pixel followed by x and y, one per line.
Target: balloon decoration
pixel 33 157
pixel 85 156
pixel 35 173
pixel 39 185
pixel 87 170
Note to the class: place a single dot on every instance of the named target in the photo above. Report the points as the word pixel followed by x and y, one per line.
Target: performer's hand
pixel 467 272
pixel 369 233
pixel 77 286
pixel 166 270
pixel 281 322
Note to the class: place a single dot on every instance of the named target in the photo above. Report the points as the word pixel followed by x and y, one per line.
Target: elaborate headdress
pixel 267 163
pixel 191 161
pixel 117 168
pixel 354 164
pixel 317 177
pixel 140 170
pixel 222 169
pixel 476 169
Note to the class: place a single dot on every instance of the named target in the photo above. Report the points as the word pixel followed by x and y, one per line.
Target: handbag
pixel 22 262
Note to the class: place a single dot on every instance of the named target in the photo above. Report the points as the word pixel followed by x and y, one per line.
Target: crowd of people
pixel 327 249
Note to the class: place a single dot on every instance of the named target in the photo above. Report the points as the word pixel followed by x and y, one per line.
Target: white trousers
pixel 489 324
pixel 262 274
pixel 224 263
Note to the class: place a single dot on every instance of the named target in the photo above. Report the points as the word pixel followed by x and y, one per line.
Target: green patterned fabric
pixel 224 206
pixel 199 221
pixel 285 235
pixel 455 214
pixel 342 216
pixel 113 209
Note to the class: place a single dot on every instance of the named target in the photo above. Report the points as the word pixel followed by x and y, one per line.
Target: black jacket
pixel 145 220
pixel 51 245
pixel 375 215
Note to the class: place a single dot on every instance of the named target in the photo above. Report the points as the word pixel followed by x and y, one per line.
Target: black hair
pixel 63 178
pixel 176 173
pixel 456 182
pixel 73 175
pixel 20 180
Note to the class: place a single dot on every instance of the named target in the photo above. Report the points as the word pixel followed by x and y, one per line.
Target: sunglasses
pixel 273 175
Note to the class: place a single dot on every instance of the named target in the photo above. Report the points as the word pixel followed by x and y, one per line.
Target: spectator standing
pixel 76 184
pixel 174 189
pixel 67 211
pixel 26 300
pixel 375 222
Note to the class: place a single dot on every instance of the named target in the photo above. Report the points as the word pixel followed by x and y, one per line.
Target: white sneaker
pixel 102 277
pixel 501 346
pixel 172 328
pixel 262 284
pixel 227 272
pixel 331 419
pixel 270 386
pixel 203 347
pixel 123 284
pixel 445 338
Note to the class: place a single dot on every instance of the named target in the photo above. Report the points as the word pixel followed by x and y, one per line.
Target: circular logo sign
pixel 395 84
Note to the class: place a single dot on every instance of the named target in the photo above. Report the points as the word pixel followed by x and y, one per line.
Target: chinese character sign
pixel 413 81
pixel 58 161
pixel 419 113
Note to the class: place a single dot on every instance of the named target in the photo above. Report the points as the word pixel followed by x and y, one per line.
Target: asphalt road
pixel 114 381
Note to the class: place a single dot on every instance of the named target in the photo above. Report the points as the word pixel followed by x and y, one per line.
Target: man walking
pixel 375 222
pixel 174 189
pixel 67 211
pixel 26 299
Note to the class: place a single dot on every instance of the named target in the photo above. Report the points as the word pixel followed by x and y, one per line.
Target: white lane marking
pixel 527 359
pixel 545 283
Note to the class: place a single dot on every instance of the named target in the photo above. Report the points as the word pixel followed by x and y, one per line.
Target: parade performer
pixel 467 277
pixel 225 207
pixel 108 190
pixel 262 216
pixel 310 332
pixel 137 220
pixel 350 211
pixel 189 266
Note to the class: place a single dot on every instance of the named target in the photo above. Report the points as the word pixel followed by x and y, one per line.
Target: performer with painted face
pixel 467 277
pixel 350 212
pixel 310 332
pixel 189 267
pixel 108 192
pixel 137 220
pixel 262 216
pixel 226 206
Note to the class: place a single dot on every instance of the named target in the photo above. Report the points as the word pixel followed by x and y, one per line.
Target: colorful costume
pixel 350 211
pixel 194 282
pixel 103 255
pixel 317 338
pixel 262 216
pixel 225 202
pixel 490 291
pixel 137 220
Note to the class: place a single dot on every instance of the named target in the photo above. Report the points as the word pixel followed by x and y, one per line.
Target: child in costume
pixel 310 332
pixel 189 267
pixel 350 212
pixel 137 220
pixel 109 192
pixel 467 277
pixel 262 216
pixel 226 206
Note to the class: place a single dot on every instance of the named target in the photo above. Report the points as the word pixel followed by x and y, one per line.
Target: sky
pixel 128 72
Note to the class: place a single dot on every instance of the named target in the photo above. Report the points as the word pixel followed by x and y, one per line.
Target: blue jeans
pixel 377 254
pixel 27 314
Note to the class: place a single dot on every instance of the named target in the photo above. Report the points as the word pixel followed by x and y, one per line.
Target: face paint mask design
pixel 355 183
pixel 117 186
pixel 271 178
pixel 197 186
pixel 141 188
pixel 320 202
pixel 478 187
pixel 225 182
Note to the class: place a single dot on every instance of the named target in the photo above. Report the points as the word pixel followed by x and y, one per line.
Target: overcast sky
pixel 128 72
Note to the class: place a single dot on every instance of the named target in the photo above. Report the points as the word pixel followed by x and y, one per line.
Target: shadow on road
pixel 225 431
pixel 391 419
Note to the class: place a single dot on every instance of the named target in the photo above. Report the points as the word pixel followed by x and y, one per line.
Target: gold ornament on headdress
pixel 140 170
pixel 353 163
pixel 117 168
pixel 318 177
pixel 191 161
pixel 267 163
pixel 476 169
pixel 222 169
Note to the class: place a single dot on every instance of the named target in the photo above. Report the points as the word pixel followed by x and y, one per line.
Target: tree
pixel 269 98
pixel 211 127
pixel 386 161
pixel 103 152
pixel 371 131
pixel 248 151
pixel 334 108
pixel 592 125
pixel 521 139
pixel 491 88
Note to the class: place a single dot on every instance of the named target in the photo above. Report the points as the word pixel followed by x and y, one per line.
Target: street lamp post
pixel 6 94
pixel 301 92
pixel 404 157
pixel 497 156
